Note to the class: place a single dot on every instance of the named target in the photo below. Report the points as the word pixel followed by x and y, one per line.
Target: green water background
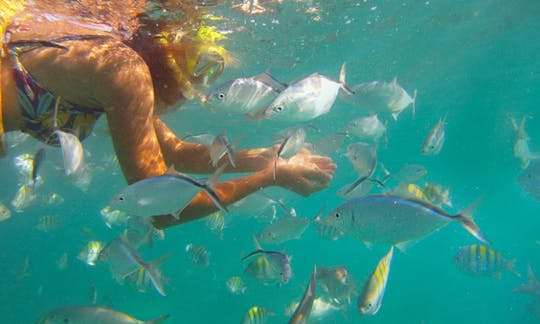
pixel 476 61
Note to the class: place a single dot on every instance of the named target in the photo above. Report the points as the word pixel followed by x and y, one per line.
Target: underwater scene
pixel 430 111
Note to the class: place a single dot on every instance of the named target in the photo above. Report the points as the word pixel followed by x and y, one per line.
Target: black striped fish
pixel 256 315
pixel 371 298
pixel 481 260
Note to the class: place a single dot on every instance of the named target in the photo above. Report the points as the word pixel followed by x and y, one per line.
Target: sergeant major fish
pixel 370 299
pixel 393 220
pixel 269 266
pixel 92 315
pixel 256 315
pixel 481 260
pixel 198 255
pixel 306 99
pixel 166 194
pixel 434 141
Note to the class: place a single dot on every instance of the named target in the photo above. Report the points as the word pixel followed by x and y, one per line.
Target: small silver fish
pixel 62 262
pixel 92 315
pixel 291 145
pixel 336 283
pixel 306 99
pixel 236 285
pixel 363 157
pixel 36 163
pixel 113 216
pixel 394 220
pixel 205 139
pixel 162 195
pixel 370 299
pixel 408 173
pixel 303 311
pixel 221 146
pixel 198 255
pixel 529 179
pixel 245 95
pixel 72 151
pixel 283 230
pixel 531 286
pixel 521 144
pixel 5 213
pixel 380 97
pixel 434 141
pixel 90 252
pixel 23 198
pixel 366 128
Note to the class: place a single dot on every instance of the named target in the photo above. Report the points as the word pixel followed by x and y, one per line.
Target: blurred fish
pixel 359 188
pixel 363 157
pixel 90 252
pixel 434 141
pixel 72 151
pixel 24 164
pixel 481 260
pixel 5 213
pixel 370 299
pixel 166 194
pixel 328 144
pixel 221 146
pixel 269 267
pixel 236 285
pixel 62 262
pixel 380 97
pixel 283 230
pixel 303 311
pixel 245 95
pixel 216 223
pixel 198 255
pixel 205 139
pixel 23 198
pixel 48 223
pixel 36 164
pixel 408 173
pixel 306 99
pixel 124 261
pixel 529 179
pixel 531 286
pixel 23 270
pixel 257 205
pixel 52 199
pixel 431 193
pixel 91 314
pixel 113 216
pixel 320 311
pixel 291 145
pixel 393 220
pixel 366 128
pixel 327 231
pixel 256 315
pixel 92 294
pixel 521 144
pixel 336 283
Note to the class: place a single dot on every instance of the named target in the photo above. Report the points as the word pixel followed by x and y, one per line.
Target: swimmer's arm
pixel 195 158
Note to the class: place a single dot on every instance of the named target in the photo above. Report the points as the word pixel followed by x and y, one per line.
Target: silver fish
pixel 291 145
pixel 72 151
pixel 531 286
pixel 336 283
pixel 370 299
pixel 394 220
pixel 92 315
pixel 245 95
pixel 90 252
pixel 205 139
pixel 5 213
pixel 221 146
pixel 529 179
pixel 434 142
pixel 521 144
pixel 166 194
pixel 23 198
pixel 328 144
pixel 283 230
pixel 306 99
pixel 62 262
pixel 363 157
pixel 408 173
pixel 367 128
pixel 380 97
pixel 92 294
pixel 303 311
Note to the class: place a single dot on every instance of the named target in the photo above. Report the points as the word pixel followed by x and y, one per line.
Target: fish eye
pixel 369 305
pixel 278 108
pixel 338 215
pixel 221 96
pixel 121 198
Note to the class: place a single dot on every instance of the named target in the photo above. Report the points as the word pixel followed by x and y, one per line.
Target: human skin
pixel 107 74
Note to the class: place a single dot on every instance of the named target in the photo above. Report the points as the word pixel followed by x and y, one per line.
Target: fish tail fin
pixel 510 265
pixel 414 103
pixel 465 217
pixel 158 320
pixel 344 86
pixel 531 286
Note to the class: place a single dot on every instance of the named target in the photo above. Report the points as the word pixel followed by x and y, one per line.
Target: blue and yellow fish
pixel 481 260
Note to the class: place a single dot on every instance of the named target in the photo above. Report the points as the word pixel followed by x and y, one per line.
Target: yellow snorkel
pixel 8 9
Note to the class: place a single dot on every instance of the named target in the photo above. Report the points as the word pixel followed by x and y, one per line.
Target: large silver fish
pixel 306 99
pixel 162 195
pixel 92 315
pixel 380 97
pixel 393 220
pixel 245 95
pixel 303 311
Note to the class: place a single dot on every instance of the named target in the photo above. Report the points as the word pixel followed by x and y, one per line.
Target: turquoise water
pixel 476 61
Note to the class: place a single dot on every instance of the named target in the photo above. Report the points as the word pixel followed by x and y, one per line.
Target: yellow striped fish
pixel 371 298
pixel 256 315
pixel 481 260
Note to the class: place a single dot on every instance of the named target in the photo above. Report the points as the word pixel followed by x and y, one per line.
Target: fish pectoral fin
pixel 405 246
pixel 157 320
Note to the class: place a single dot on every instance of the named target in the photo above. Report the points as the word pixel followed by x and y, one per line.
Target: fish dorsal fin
pixel 271 81
pixel 394 81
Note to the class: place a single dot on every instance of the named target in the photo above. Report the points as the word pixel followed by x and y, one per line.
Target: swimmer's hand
pixel 304 173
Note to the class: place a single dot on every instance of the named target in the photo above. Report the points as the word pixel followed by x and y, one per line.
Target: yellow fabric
pixel 8 9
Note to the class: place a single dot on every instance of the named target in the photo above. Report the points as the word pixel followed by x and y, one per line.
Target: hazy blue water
pixel 476 61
